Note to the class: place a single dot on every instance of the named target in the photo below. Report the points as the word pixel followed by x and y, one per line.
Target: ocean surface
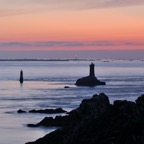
pixel 43 88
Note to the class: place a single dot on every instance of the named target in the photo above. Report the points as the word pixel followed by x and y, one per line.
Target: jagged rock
pixel 120 123
pixel 127 108
pixel 95 106
pixel 58 121
pixel 140 103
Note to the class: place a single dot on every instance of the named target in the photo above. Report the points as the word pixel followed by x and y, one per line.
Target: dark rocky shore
pixel 96 121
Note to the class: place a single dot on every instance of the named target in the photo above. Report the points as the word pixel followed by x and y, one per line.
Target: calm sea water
pixel 43 87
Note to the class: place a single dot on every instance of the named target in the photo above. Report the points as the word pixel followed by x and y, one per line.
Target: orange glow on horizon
pixel 117 24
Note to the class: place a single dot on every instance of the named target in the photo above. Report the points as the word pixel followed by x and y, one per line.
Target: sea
pixel 43 88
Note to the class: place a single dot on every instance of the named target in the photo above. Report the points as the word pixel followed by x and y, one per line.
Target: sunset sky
pixel 43 25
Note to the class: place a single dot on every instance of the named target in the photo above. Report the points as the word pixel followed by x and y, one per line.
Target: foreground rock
pixel 90 80
pixel 95 106
pixel 99 122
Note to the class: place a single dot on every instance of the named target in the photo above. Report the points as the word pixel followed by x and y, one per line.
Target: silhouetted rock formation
pixel 97 105
pixel 21 111
pixel 45 111
pixel 99 122
pixel 66 87
pixel 21 77
pixel 49 111
pixel 90 80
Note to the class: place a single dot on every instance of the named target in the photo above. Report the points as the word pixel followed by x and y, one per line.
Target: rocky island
pixel 90 80
pixel 96 121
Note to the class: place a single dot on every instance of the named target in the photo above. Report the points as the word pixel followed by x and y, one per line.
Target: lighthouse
pixel 21 77
pixel 90 80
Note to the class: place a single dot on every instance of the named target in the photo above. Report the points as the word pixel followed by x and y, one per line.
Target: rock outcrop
pixel 49 111
pixel 45 111
pixel 21 111
pixel 90 80
pixel 94 107
pixel 99 122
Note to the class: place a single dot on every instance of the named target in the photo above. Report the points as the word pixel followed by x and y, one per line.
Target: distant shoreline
pixel 33 60
pixel 81 59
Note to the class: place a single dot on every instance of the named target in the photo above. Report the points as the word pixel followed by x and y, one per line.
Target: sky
pixel 70 25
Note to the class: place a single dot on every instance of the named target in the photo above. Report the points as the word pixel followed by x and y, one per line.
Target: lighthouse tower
pixel 21 77
pixel 92 71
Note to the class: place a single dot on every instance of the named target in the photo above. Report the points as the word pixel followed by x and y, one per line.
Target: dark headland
pixel 96 121
pixel 90 80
